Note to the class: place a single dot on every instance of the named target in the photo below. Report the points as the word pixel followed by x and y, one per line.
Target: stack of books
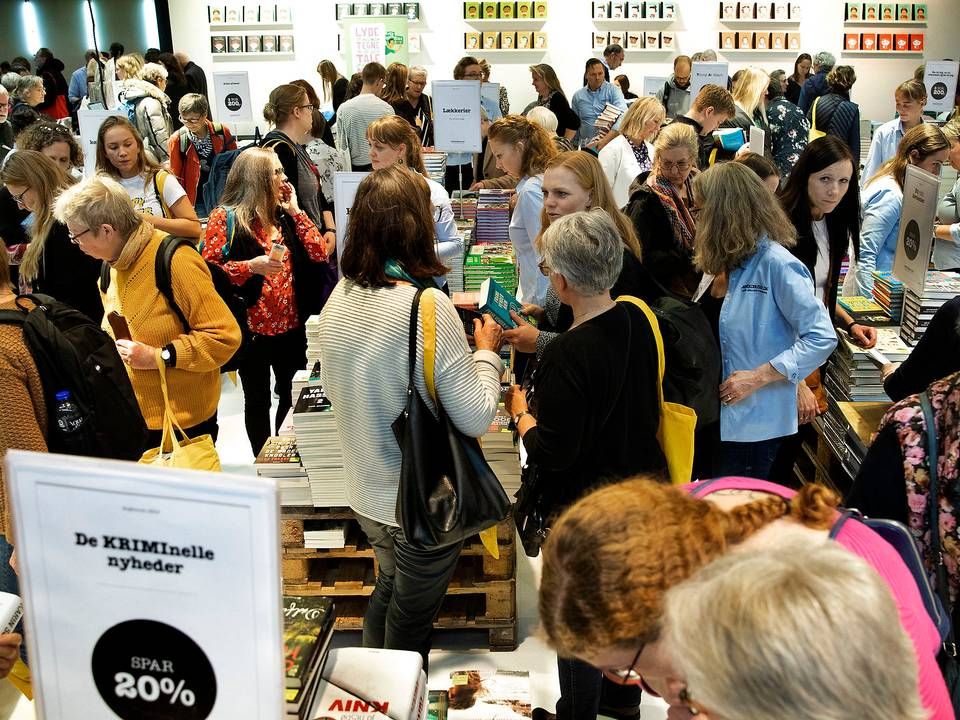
pixel 888 292
pixel 372 684
pixel 313 340
pixel 464 204
pixel 436 164
pixel 853 374
pixel 306 378
pixel 307 631
pixel 919 311
pixel 455 276
pixel 493 217
pixel 279 459
pixel 501 453
pixel 605 120
pixel 320 449
pixel 490 261
pixel 324 534
pixel 866 311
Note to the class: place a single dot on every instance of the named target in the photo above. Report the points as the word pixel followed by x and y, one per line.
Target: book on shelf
pixel 860 305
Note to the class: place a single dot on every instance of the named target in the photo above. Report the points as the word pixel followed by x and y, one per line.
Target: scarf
pixel 642 154
pixel 203 145
pixel 393 269
pixel 133 247
pixel 681 221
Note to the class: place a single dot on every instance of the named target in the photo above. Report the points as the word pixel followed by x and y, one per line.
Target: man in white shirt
pixel 356 114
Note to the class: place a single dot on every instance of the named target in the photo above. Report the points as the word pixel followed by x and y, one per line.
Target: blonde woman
pixel 129 66
pixel 144 98
pixel 631 153
pixel 52 264
pixel 772 330
pixel 395 85
pixel 551 96
pixel 750 100
pixel 523 149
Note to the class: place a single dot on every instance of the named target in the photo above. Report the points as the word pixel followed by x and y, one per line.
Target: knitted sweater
pixel 23 422
pixel 194 382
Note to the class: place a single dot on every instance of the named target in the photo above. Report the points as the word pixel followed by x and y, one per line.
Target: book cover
pixel 859 304
pixel 278 451
pixel 539 10
pixel 218 44
pixel 252 43
pixel 334 703
pixel 501 695
pixel 234 43
pixel 312 400
pixel 305 621
pixel 215 13
pixel 389 679
pixel 251 13
pixel 495 299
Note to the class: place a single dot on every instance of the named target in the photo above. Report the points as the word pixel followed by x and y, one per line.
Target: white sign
pixel 232 93
pixel 345 186
pixel 758 138
pixel 915 239
pixel 148 592
pixel 707 73
pixel 90 121
pixel 652 85
pixel 490 92
pixel 940 77
pixel 456 116
pixel 368 43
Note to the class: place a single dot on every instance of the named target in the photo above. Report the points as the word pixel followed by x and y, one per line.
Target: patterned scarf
pixel 680 218
pixel 642 154
pixel 203 145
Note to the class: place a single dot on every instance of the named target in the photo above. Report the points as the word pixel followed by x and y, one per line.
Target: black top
pixel 880 489
pixel 339 91
pixel 69 275
pixel 11 219
pixel 6 134
pixel 423 111
pixel 705 142
pixel 793 91
pixel 596 405
pixel 629 95
pixel 935 356
pixel 806 251
pixel 196 78
pixel 175 92
pixel 567 119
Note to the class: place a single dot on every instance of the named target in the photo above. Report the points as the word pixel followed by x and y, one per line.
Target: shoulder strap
pixel 231 216
pixel 813 113
pixel 841 521
pixel 162 269
pixel 12 317
pixel 412 345
pixel 933 493
pixel 184 141
pixel 218 129
pixel 428 310
pixel 655 327
pixel 159 182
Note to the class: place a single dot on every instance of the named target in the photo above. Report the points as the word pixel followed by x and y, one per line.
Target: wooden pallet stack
pixel 482 594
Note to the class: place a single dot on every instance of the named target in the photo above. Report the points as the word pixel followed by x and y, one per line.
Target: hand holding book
pixel 487 334
pixel 523 336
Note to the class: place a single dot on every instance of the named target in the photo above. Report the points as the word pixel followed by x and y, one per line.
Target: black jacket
pixel 69 275
pixel 196 78
pixel 53 82
pixel 836 115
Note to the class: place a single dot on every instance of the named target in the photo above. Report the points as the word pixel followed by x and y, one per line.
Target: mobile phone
pixel 118 323
pixel 468 316
pixel 277 251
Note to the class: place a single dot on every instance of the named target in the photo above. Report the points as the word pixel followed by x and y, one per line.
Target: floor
pixel 452 650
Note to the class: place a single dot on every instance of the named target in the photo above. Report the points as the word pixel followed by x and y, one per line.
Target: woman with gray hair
pixel 416 107
pixel 29 91
pixel 751 637
pixel 595 413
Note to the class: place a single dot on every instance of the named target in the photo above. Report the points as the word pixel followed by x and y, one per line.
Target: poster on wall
pixel 232 93
pixel 456 115
pixel 940 78
pixel 916 228
pixel 383 39
pixel 131 574
pixel 345 186
pixel 708 73
pixel 90 120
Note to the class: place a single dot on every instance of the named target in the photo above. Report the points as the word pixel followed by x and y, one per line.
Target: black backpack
pixel 237 298
pixel 219 170
pixel 72 353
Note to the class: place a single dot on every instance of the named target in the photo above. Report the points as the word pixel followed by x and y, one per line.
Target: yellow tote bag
pixel 677 422
pixel 197 453
pixel 814 133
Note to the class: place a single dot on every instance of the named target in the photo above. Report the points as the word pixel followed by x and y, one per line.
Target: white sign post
pixel 758 139
pixel 916 228
pixel 707 73
pixel 148 592
pixel 345 186
pixel 456 111
pixel 940 78
pixel 90 121
pixel 652 85
pixel 232 91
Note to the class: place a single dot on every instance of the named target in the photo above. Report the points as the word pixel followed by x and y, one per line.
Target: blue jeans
pixel 410 587
pixel 584 689
pixel 10 583
pixel 747 459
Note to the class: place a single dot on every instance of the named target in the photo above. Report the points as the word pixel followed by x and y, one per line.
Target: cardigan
pixel 620 165
pixel 194 382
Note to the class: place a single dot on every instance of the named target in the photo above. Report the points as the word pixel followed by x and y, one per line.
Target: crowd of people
pixel 639 589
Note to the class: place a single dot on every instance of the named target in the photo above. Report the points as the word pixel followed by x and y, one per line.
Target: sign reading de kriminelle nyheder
pixel 383 40
pixel 148 592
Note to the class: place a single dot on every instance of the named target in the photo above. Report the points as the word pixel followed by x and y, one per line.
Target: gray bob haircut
pixel 800 630
pixel 585 247
pixel 193 104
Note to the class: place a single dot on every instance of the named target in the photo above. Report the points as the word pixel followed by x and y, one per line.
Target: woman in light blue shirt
pixel 946 249
pixel 910 97
pixel 523 149
pixel 772 329
pixel 882 199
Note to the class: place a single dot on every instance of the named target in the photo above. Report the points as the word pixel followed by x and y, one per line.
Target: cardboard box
pixel 472 40
pixel 508 40
pixel 728 10
pixel 920 12
pixel 728 40
pixel 761 41
pixel 539 9
pixel 600 40
pixel 778 40
pixel 471 10
pixel 916 42
pixel 745 40
pixel 793 41
pixel 904 12
pixel 634 40
pixel 491 40
pixel 540 40
pixel 851 41
pixel 781 11
pixel 669 11
pixel 524 40
pixel 885 42
pixel 746 11
pixel 763 11
pixel 601 10
pixel 617 11
pixel 868 41
pixel 871 12
pixel 634 10
pixel 524 9
pixel 651 40
pixel 668 40
pixel 887 12
pixel 489 10
pixel 507 10
pixel 251 43
pixel 901 42
pixel 854 12
pixel 652 11
pixel 796 11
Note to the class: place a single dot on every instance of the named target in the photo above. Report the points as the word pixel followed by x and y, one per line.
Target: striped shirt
pixel 364 336
pixel 352 120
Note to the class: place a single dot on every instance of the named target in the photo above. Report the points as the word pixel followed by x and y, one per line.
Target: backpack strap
pixel 218 129
pixel 184 141
pixel 159 182
pixel 12 317
pixel 162 269
pixel 231 214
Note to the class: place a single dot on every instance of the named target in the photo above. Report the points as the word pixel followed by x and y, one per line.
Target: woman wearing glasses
pixel 51 264
pixel 611 560
pixel 259 211
pixel 595 414
pixel 415 106
pixel 662 209
pixel 193 147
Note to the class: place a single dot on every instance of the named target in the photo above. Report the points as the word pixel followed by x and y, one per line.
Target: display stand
pixel 482 594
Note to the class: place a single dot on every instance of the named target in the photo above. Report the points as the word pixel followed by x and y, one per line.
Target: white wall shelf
pixel 253 56
pixel 746 21
pixel 892 25
pixel 784 51
pixel 638 22
pixel 883 53
pixel 240 27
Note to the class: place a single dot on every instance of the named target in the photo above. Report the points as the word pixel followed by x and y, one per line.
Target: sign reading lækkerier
pixel 456 116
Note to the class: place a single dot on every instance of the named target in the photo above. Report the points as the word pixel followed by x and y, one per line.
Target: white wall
pixel 569 29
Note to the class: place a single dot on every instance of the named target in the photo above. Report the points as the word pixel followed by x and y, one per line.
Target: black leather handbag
pixel 447 490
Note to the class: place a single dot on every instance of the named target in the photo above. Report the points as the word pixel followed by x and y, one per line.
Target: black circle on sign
pixel 233 101
pixel 911 240
pixel 147 670
pixel 938 91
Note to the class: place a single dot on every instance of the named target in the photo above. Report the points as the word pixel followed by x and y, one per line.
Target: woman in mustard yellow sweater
pixel 101 220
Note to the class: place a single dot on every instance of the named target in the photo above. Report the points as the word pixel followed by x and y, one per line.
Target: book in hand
pixel 498 302
pixel 307 625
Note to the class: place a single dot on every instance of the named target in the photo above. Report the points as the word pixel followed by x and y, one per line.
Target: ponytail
pixel 538 147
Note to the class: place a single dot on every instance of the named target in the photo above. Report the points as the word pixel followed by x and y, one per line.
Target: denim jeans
pixel 410 587
pixel 584 690
pixel 747 459
pixel 10 583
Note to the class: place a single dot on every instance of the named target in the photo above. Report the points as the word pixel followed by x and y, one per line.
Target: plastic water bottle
pixel 70 422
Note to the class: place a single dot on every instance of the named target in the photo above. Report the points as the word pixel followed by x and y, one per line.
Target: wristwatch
pixel 516 418
pixel 169 356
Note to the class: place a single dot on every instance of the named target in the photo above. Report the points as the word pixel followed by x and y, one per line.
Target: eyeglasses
pixel 190 120
pixel 278 171
pixel 19 198
pixel 685 698
pixel 544 268
pixel 472 76
pixel 626 676
pixel 306 107
pixel 681 166
pixel 75 239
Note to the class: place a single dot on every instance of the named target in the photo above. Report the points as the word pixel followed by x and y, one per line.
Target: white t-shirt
pixel 821 271
pixel 144 197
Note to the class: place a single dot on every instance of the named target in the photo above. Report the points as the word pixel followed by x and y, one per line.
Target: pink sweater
pixel 861 540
